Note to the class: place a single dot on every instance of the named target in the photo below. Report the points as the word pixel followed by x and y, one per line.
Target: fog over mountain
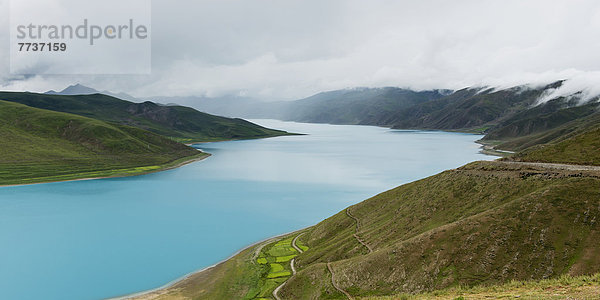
pixel 293 49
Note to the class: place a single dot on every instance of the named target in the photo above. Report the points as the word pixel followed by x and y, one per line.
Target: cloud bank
pixel 291 49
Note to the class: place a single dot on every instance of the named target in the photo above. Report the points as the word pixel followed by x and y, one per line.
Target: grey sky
pixel 290 49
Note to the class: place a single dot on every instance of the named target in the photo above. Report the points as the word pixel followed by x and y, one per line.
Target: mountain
pixel 362 106
pixel 179 122
pixel 348 106
pixel 469 109
pixel 466 109
pixel 39 145
pixel 229 106
pixel 78 89
pixel 512 118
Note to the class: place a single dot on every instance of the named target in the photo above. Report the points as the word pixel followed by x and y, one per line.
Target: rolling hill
pixel 573 146
pixel 40 145
pixel 178 122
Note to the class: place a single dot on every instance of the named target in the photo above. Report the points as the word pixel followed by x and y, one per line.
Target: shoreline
pixel 186 276
pixel 191 143
pixel 166 167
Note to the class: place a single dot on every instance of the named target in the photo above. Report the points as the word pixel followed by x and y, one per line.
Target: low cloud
pixel 288 50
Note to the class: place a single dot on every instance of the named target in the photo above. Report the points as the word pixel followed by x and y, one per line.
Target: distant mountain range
pixel 511 118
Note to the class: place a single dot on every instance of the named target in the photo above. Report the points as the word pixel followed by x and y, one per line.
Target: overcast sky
pixel 282 49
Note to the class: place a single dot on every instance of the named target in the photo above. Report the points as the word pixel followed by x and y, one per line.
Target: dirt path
pixel 291 266
pixel 257 251
pixel 276 290
pixel 294 243
pixel 358 230
pixel 330 268
pixel 555 166
pixel 335 284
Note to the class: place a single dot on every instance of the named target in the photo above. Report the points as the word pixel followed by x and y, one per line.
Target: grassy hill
pixel 39 145
pixel 179 122
pixel 572 148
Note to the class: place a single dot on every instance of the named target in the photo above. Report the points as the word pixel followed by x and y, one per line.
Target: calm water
pixel 101 238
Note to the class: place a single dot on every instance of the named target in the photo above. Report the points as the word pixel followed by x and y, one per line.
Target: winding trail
pixel 335 284
pixel 358 230
pixel 292 266
pixel 330 268
pixel 259 248
pixel 276 290
pixel 294 243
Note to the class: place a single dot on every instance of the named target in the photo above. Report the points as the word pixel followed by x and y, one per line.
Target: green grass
pixel 582 148
pixel 276 257
pixel 286 258
pixel 485 223
pixel 178 122
pixel 301 245
pixel 563 287
pixel 41 146
pixel 282 248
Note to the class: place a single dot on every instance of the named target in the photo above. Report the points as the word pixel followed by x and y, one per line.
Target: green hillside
pixel 39 145
pixel 179 122
pixel 573 148
pixel 466 109
pixel 485 223
pixel 362 106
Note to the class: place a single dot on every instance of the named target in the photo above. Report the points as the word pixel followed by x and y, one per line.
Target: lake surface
pixel 102 238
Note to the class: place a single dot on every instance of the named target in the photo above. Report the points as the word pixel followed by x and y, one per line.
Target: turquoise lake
pixel 96 239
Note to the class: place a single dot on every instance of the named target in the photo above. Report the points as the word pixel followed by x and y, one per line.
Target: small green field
pixel 274 260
